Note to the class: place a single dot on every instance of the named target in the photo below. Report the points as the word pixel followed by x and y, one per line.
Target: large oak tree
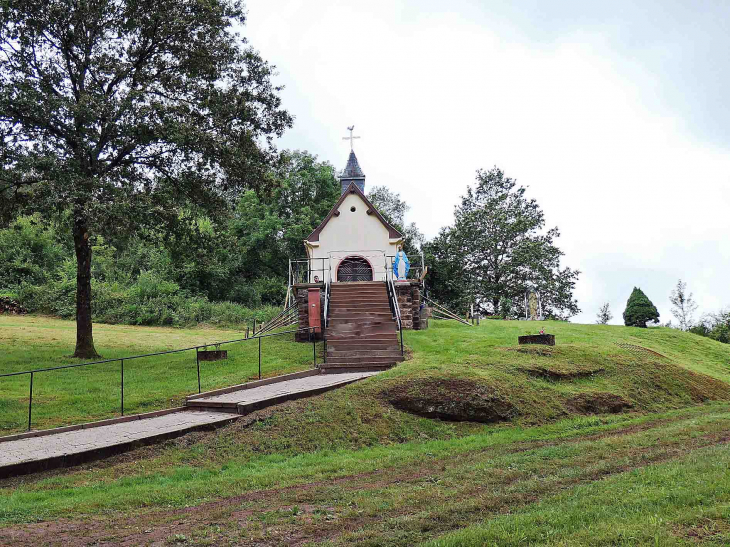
pixel 120 114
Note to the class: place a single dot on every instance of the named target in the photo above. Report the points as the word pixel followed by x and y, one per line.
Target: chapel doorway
pixel 354 268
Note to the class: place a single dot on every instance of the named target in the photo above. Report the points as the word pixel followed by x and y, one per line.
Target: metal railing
pixel 395 307
pixel 304 270
pixel 197 349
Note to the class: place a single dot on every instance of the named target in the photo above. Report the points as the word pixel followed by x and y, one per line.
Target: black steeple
pixel 352 173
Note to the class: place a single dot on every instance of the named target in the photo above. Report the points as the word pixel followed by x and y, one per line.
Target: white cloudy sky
pixel 615 114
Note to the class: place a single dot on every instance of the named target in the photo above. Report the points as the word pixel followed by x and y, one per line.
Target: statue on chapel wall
pixel 401 265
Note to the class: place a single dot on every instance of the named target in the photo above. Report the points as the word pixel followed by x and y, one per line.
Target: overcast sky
pixel 614 114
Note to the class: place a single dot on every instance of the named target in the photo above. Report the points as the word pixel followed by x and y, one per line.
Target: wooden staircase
pixel 362 334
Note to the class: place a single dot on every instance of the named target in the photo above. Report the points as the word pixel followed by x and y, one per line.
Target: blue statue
pixel 401 265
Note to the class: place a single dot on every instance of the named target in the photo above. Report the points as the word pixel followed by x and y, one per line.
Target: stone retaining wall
pixel 302 297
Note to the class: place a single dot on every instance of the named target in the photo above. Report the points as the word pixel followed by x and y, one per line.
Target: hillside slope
pixel 471 376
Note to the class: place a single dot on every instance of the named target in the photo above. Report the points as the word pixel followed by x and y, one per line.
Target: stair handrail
pixel 326 302
pixel 396 307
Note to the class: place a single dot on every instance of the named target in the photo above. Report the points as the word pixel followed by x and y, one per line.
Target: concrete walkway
pixel 36 451
pixel 73 447
pixel 244 401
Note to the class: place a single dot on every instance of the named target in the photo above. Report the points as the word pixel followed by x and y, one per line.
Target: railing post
pixel 313 333
pixel 254 326
pixel 259 358
pixel 122 387
pixel 401 339
pixel 197 363
pixel 30 400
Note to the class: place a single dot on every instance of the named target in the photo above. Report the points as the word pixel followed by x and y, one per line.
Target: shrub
pixel 639 310
pixel 505 307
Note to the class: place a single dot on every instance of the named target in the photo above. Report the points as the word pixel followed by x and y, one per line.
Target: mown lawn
pixel 620 480
pixel 83 394
pixel 369 464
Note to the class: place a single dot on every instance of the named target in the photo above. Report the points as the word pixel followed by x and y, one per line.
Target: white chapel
pixel 354 241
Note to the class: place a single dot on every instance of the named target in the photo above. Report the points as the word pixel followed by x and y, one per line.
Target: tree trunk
pixel 84 336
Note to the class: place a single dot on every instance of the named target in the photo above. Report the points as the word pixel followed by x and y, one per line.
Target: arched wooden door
pixel 354 268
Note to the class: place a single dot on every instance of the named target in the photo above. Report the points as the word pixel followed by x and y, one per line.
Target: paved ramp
pixel 36 451
pixel 244 401
pixel 73 447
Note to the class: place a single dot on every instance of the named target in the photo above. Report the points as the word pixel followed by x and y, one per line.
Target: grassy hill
pixel 471 441
pixel 85 394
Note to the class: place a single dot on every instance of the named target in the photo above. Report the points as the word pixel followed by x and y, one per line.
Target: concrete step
pixel 360 306
pixel 364 322
pixel 346 345
pixel 362 329
pixel 358 361
pixel 385 312
pixel 367 338
pixel 358 299
pixel 362 367
pixel 355 283
pixel 387 352
pixel 361 318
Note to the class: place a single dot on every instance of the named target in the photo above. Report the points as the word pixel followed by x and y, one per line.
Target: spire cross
pixel 350 138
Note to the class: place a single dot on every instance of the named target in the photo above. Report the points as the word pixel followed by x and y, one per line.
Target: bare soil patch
pixel 704 530
pixel 453 400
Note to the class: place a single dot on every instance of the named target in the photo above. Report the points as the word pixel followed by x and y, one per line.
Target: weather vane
pixel 350 138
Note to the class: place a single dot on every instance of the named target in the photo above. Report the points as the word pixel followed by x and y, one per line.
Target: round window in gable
pixel 352 209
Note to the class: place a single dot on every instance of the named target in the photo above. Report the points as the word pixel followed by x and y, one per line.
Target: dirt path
pixel 438 495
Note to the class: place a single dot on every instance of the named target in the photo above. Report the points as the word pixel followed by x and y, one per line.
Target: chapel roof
pixel 354 189
pixel 352 169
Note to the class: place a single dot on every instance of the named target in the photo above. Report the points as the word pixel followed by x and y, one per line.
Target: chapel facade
pixel 355 288
pixel 354 242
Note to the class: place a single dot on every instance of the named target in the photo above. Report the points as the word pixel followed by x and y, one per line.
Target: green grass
pixel 677 503
pixel 84 394
pixel 352 467
pixel 400 494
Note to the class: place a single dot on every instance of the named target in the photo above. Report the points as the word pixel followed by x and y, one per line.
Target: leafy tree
pixel 506 305
pixel 715 326
pixel 394 209
pixel 270 227
pixel 446 281
pixel 683 305
pixel 604 315
pixel 30 252
pixel 129 113
pixel 639 310
pixel 498 249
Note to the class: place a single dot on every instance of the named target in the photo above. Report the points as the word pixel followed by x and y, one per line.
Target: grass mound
pixel 461 380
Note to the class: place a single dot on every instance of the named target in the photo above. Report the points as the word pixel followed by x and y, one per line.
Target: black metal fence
pixel 197 349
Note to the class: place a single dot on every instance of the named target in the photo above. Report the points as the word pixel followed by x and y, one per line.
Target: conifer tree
pixel 639 310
